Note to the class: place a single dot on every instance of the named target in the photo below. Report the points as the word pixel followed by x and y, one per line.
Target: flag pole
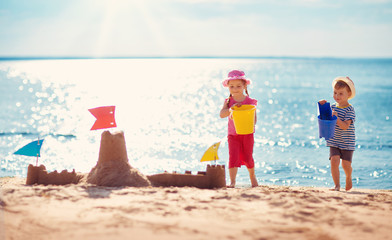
pixel 36 163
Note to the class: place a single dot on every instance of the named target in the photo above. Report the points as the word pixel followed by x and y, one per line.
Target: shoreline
pixel 85 211
pixel 243 185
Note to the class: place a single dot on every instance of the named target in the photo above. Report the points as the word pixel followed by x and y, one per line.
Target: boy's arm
pixel 342 124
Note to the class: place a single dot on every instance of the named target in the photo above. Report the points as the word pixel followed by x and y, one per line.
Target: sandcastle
pixel 213 177
pixel 39 175
pixel 114 170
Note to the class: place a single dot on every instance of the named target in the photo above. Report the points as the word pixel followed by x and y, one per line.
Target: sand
pixel 86 211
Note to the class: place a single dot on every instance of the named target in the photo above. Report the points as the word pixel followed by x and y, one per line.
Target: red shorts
pixel 241 150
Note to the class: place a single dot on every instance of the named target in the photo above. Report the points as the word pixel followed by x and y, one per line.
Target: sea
pixel 168 109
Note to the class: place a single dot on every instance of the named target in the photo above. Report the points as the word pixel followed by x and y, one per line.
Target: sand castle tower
pixel 113 169
pixel 217 176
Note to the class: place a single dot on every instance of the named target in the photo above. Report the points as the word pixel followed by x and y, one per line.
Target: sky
pixel 196 28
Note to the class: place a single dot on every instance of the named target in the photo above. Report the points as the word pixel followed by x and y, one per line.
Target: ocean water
pixel 169 112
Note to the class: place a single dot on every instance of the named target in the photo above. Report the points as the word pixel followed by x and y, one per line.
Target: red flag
pixel 104 116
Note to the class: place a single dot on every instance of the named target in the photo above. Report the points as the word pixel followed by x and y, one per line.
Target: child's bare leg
pixel 252 176
pixel 335 161
pixel 348 171
pixel 233 174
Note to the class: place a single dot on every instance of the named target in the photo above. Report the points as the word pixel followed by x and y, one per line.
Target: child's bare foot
pixel 336 188
pixel 254 182
pixel 349 184
pixel 231 185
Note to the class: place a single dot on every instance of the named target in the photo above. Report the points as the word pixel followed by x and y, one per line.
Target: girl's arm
pixel 225 111
pixel 342 124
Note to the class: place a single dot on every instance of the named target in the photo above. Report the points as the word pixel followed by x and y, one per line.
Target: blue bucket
pixel 327 127
pixel 325 111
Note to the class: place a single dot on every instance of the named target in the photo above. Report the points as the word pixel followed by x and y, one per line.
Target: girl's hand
pixel 227 102
pixel 238 104
pixel 322 102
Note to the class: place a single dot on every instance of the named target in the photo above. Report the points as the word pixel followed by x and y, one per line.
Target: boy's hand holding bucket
pixel 326 120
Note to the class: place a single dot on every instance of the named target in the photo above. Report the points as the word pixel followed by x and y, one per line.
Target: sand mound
pixel 113 169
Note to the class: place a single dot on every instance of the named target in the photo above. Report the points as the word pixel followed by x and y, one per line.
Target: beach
pixel 185 121
pixel 86 211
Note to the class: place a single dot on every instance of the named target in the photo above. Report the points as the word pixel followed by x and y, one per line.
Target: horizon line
pixel 15 58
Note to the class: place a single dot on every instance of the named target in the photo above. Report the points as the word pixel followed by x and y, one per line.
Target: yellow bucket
pixel 244 119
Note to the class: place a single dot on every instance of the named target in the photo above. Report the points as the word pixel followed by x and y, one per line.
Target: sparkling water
pixel 169 112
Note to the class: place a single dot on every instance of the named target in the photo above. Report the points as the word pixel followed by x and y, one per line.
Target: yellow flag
pixel 211 154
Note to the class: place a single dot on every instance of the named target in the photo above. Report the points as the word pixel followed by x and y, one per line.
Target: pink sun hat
pixel 236 75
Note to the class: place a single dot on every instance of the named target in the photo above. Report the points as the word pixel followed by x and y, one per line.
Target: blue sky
pixel 126 28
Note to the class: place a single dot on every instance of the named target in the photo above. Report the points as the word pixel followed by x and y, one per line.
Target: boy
pixel 342 145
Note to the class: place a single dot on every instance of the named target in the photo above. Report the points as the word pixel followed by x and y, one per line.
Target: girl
pixel 240 146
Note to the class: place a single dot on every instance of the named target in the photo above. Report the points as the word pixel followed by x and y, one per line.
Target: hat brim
pixel 349 82
pixel 225 82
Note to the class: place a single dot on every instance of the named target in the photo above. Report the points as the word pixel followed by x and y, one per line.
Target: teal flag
pixel 32 149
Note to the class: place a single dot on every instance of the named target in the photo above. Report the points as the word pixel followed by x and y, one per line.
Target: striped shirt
pixel 344 139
